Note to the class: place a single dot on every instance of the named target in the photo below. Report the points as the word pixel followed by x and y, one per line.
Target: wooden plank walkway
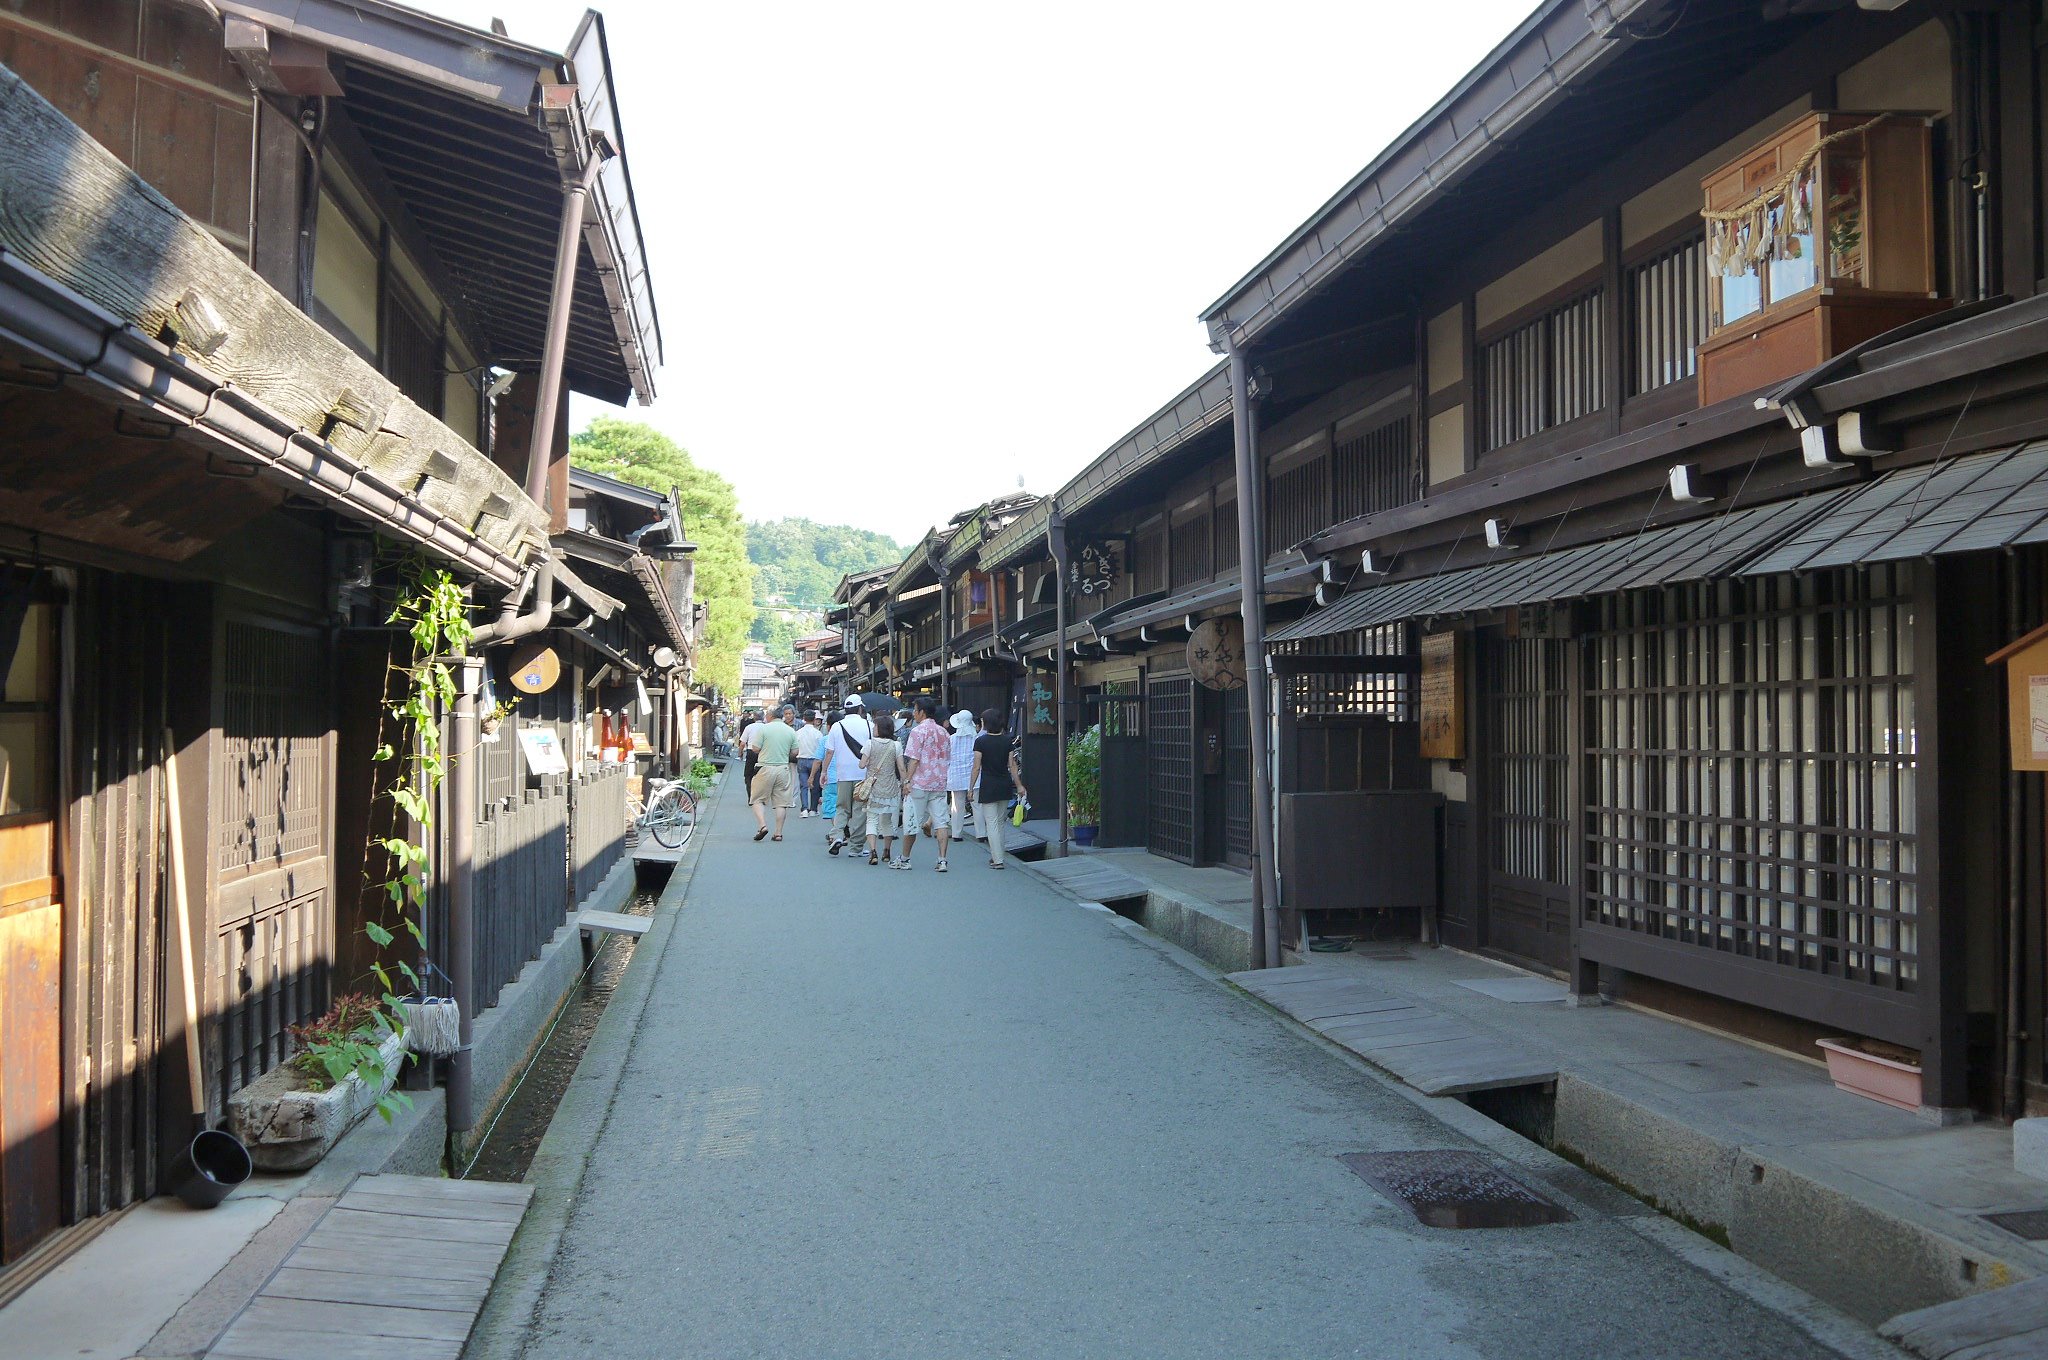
pixel 399 1266
pixel 1089 879
pixel 2003 1324
pixel 1437 1054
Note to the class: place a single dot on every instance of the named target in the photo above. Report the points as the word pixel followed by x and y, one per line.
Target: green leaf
pixel 379 936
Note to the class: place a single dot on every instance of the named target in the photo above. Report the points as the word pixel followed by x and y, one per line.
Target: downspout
pixel 555 352
pixel 945 642
pixel 1251 575
pixel 1056 544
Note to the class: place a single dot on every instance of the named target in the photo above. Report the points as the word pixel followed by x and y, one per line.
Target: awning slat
pixel 1700 549
pixel 1976 503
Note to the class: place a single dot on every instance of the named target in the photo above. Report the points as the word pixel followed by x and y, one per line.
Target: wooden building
pixel 1643 475
pixel 255 353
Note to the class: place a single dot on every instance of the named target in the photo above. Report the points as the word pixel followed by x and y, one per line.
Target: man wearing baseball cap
pixel 843 745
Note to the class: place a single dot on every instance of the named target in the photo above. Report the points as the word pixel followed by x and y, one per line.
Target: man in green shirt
pixel 774 746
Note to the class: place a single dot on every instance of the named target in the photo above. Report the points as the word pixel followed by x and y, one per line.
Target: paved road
pixel 903 1115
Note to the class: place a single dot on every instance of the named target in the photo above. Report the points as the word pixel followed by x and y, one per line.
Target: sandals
pixel 776 837
pixel 762 834
pixel 873 858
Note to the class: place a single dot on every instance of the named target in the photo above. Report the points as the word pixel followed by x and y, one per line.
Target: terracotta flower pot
pixel 1889 1081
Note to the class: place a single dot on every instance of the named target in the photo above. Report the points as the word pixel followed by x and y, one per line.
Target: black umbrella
pixel 879 703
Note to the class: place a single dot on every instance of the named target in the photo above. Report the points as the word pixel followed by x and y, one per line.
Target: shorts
pixel 882 816
pixel 922 808
pixel 774 785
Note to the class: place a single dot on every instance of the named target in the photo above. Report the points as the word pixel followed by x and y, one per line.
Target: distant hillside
pixel 801 562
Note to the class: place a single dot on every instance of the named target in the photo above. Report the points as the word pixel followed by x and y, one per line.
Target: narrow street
pixel 869 1113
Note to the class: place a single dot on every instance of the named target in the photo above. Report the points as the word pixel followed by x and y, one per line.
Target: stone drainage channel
pixel 515 1132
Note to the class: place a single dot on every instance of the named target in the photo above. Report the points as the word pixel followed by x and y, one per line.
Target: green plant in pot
pixel 1084 784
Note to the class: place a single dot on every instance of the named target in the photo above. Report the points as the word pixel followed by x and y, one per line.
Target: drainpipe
pixel 945 642
pixel 465 735
pixel 1056 544
pixel 1251 574
pixel 555 352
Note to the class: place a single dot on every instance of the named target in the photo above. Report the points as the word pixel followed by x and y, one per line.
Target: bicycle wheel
pixel 673 818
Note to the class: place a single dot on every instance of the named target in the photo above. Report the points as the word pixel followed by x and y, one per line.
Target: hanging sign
pixel 1443 698
pixel 1039 703
pixel 1216 653
pixel 646 701
pixel 543 751
pixel 534 667
pixel 1094 569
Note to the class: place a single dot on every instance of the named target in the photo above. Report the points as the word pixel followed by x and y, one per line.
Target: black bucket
pixel 211 1165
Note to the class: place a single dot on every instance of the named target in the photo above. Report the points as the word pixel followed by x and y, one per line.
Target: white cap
pixel 855 701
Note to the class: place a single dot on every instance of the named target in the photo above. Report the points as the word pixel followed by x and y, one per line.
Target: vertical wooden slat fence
pixel 597 832
pixel 522 889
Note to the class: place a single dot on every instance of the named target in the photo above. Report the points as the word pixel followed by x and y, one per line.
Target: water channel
pixel 522 1122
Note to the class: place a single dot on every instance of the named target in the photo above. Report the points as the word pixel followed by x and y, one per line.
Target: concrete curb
pixel 558 1166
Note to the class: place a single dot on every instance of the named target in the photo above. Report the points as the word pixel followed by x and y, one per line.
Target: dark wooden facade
pixel 177 592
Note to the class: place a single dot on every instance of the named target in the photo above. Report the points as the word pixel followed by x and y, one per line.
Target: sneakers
pixel 902 864
pixel 835 847
pixel 939 868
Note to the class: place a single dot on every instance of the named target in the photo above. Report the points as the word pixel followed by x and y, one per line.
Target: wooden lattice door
pixel 1525 701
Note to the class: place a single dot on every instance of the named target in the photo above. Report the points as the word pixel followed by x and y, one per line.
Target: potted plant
pixel 1084 784
pixel 347 1061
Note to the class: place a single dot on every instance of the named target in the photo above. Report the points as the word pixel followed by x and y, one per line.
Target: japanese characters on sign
pixel 1094 569
pixel 1443 698
pixel 1216 653
pixel 1040 705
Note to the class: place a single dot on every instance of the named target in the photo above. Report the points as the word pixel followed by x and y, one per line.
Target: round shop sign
pixel 535 668
pixel 1216 653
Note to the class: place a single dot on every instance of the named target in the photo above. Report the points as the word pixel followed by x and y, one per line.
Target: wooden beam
pixel 76 214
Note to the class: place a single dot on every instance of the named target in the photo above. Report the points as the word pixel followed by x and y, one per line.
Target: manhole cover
pixel 1454 1189
pixel 2031 1224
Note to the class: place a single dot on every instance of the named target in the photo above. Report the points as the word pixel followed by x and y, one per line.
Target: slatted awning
pixel 1997 499
pixel 1696 550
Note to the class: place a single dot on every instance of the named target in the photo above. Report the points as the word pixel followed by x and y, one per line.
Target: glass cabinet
pixel 1818 238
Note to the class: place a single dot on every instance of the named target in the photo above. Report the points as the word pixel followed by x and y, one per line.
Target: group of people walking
pixel 873 783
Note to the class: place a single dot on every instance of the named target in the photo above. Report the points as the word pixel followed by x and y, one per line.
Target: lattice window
pixel 1547 372
pixel 1528 698
pixel 1189 548
pixel 1667 312
pixel 1122 708
pixel 1297 503
pixel 1170 825
pixel 1320 697
pixel 1751 766
pixel 273 747
pixel 1226 555
pixel 1373 470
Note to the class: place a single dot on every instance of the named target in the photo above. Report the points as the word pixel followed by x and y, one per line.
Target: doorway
pixel 1527 741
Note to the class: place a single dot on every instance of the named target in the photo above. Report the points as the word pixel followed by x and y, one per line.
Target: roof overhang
pixel 1517 82
pixel 478 135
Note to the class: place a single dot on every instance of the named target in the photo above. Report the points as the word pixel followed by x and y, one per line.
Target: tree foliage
pixel 710 511
pixel 802 560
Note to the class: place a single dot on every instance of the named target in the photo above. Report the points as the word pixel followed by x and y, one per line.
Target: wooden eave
pixel 116 291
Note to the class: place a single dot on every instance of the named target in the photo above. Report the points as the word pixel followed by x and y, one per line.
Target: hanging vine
pixel 434 611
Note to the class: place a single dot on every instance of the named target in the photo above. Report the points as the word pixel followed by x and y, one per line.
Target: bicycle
pixel 670 815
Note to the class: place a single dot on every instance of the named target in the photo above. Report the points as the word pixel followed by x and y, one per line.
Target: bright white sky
pixel 960 244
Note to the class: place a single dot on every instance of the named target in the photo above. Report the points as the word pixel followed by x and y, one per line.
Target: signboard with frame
pixel 1442 706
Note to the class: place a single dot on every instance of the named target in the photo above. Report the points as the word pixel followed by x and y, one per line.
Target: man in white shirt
pixel 810 739
pixel 843 745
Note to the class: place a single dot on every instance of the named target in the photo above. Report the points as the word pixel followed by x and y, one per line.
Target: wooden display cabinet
pixel 1818 238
